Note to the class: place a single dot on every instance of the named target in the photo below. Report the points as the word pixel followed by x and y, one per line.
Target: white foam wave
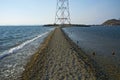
pixel 14 49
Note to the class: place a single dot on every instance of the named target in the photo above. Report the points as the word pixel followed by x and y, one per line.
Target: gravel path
pixel 58 61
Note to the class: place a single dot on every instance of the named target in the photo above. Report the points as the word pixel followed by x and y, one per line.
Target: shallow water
pixel 103 41
pixel 17 44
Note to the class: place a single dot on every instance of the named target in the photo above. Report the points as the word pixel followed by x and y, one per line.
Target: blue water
pixel 101 40
pixel 92 38
pixel 17 44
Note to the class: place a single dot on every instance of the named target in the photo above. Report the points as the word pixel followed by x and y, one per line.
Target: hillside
pixel 112 22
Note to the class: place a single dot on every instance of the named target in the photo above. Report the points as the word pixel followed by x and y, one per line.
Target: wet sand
pixel 60 59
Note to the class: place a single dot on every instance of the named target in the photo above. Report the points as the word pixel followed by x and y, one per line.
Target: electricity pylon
pixel 62 16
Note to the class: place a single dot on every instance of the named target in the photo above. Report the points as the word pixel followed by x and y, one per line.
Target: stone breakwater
pixel 58 60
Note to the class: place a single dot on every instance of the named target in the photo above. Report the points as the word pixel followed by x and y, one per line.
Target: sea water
pixel 104 41
pixel 17 44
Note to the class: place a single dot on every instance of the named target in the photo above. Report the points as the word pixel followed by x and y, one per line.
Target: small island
pixel 112 22
pixel 66 25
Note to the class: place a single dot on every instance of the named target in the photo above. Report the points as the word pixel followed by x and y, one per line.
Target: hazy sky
pixel 25 12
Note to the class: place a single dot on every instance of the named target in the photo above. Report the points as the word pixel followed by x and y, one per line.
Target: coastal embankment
pixel 59 59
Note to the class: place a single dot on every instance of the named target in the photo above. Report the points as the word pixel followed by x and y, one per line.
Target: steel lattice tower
pixel 62 12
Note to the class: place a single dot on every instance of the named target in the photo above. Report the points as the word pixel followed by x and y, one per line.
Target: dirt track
pixel 57 60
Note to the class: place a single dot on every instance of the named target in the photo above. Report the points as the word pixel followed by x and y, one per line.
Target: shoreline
pixel 35 56
pixel 39 64
pixel 99 73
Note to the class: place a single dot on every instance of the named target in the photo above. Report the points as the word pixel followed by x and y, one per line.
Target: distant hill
pixel 112 22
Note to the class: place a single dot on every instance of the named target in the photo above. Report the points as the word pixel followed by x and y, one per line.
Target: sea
pixel 17 45
pixel 101 44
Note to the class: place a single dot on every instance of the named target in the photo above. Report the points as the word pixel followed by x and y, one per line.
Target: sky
pixel 37 12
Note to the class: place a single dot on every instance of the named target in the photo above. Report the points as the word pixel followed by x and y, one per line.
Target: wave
pixel 14 49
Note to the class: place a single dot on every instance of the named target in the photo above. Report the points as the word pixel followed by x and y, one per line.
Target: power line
pixel 62 12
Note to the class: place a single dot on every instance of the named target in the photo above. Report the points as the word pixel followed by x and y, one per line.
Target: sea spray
pixel 13 60
pixel 14 49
